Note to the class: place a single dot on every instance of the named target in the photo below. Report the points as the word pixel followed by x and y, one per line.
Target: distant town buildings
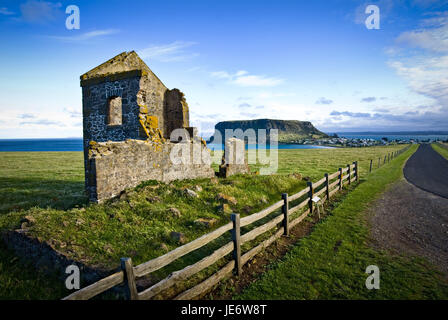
pixel 357 142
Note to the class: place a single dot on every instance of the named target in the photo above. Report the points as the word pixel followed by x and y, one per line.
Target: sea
pixel 66 144
pixel 407 136
pixel 75 144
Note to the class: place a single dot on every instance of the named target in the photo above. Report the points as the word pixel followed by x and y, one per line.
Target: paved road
pixel 428 170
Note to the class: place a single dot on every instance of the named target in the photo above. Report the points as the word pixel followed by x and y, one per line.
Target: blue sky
pixel 301 60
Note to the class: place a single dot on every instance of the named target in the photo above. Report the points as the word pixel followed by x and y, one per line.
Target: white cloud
pixel 40 122
pixel 244 79
pixel 426 76
pixel 257 81
pixel 221 75
pixel 27 116
pixel 73 113
pixel 86 36
pixel 416 119
pixel 433 38
pixel 39 11
pixel 323 100
pixel 368 99
pixel 174 51
pixel 6 12
pixel 425 71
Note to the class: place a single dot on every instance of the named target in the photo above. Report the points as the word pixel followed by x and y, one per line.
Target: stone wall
pixel 95 111
pixel 234 158
pixel 143 109
pixel 176 111
pixel 115 166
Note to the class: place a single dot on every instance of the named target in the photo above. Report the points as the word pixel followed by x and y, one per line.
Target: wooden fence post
pixel 327 186
pixel 236 238
pixel 340 178
pixel 310 196
pixel 128 269
pixel 349 174
pixel 285 210
pixel 379 161
pixel 371 161
pixel 356 171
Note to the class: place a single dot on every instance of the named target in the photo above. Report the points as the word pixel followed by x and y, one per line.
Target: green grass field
pixel 44 179
pixel 49 188
pixel 331 262
pixel 442 150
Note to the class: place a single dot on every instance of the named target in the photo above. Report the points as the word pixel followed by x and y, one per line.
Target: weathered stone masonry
pixel 124 103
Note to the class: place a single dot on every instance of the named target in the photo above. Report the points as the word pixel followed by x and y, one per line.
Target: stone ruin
pixel 233 158
pixel 128 118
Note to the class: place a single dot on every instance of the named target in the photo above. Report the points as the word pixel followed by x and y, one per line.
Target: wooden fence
pixel 282 223
pixel 387 158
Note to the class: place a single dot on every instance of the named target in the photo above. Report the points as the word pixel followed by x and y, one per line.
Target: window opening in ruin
pixel 114 111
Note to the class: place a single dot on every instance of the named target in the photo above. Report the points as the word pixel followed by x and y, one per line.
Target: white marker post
pixel 316 201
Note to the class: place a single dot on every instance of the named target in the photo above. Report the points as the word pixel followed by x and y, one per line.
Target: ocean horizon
pixel 75 144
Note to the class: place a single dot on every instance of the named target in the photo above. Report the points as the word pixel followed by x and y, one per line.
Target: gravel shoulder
pixel 408 220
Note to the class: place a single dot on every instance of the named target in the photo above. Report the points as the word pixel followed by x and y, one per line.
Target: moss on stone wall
pixel 110 77
pixel 150 125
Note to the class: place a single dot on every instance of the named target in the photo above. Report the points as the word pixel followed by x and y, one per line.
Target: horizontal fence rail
pixel 387 158
pixel 325 188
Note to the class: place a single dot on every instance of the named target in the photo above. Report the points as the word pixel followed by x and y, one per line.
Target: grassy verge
pixel 443 151
pixel 48 187
pixel 331 262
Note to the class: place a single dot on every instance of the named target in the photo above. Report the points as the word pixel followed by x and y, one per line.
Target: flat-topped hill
pixel 289 131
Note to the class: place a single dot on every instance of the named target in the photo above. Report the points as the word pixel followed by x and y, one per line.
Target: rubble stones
pixel 178 237
pixel 191 193
pixel 206 222
pixel 227 199
pixel 175 212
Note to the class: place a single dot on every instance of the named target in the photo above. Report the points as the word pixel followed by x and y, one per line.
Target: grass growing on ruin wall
pixel 140 223
pixel 331 262
pixel 48 187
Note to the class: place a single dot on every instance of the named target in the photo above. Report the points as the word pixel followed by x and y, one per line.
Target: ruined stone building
pixel 128 117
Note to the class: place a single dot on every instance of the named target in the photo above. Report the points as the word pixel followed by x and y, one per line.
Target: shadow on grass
pixel 23 193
